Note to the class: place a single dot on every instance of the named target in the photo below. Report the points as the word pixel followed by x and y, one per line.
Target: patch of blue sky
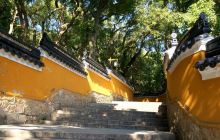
pixel 54 24
pixel 38 28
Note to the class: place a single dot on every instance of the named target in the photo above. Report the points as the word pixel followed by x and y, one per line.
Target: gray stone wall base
pixel 20 111
pixel 185 128
pixel 100 98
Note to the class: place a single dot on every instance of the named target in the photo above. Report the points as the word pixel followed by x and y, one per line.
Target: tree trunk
pixel 165 2
pixel 136 55
pixel 133 59
pixel 13 21
pixel 23 17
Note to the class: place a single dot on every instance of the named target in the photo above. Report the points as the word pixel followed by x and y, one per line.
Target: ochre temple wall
pixel 187 128
pixel 36 82
pixel 17 79
pixel 98 83
pixel 193 85
pixel 161 98
pixel 28 95
pixel 121 89
pixel 200 98
pixel 39 85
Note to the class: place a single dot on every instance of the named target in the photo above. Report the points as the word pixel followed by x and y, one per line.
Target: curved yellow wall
pixel 29 83
pixel 200 98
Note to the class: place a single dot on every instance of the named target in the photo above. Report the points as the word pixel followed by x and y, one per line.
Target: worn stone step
pixel 16 138
pixel 116 125
pixel 111 121
pixel 107 118
pixel 138 106
pixel 94 109
pixel 103 119
pixel 127 115
pixel 164 123
pixel 75 133
pixel 73 112
pixel 120 118
pixel 124 105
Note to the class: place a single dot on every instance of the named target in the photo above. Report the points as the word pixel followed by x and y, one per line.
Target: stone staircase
pixel 99 121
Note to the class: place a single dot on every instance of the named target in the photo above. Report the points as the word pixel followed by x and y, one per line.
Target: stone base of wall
pixel 17 110
pixel 20 111
pixel 100 98
pixel 185 128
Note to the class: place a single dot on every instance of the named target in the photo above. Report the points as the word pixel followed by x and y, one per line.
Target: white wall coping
pixel 210 73
pixel 197 47
pixel 21 61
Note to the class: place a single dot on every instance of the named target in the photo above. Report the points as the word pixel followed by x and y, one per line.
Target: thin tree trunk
pixel 136 55
pixel 23 17
pixel 13 21
pixel 34 38
pixel 43 27
pixel 165 2
pixel 133 59
pixel 72 22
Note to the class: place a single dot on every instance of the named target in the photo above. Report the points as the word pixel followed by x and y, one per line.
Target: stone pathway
pixel 112 121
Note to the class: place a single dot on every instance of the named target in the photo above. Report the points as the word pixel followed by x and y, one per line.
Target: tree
pixel 5 16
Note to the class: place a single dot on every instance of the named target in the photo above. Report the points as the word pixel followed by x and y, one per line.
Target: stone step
pixel 124 105
pixel 73 115
pixel 56 132
pixel 117 122
pixel 110 112
pixel 113 122
pixel 106 109
pixel 138 106
pixel 15 138
pixel 160 127
pixel 102 115
pixel 110 119
pixel 107 119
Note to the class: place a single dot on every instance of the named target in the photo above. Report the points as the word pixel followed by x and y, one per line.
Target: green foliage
pixel 206 6
pixel 5 16
pixel 150 69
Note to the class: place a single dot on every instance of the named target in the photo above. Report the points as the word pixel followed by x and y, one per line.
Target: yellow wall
pixel 38 85
pixel 98 84
pixel 120 88
pixel 33 84
pixel 110 86
pixel 161 98
pixel 200 98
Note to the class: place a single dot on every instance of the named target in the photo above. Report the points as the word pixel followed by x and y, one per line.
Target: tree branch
pixel 135 56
